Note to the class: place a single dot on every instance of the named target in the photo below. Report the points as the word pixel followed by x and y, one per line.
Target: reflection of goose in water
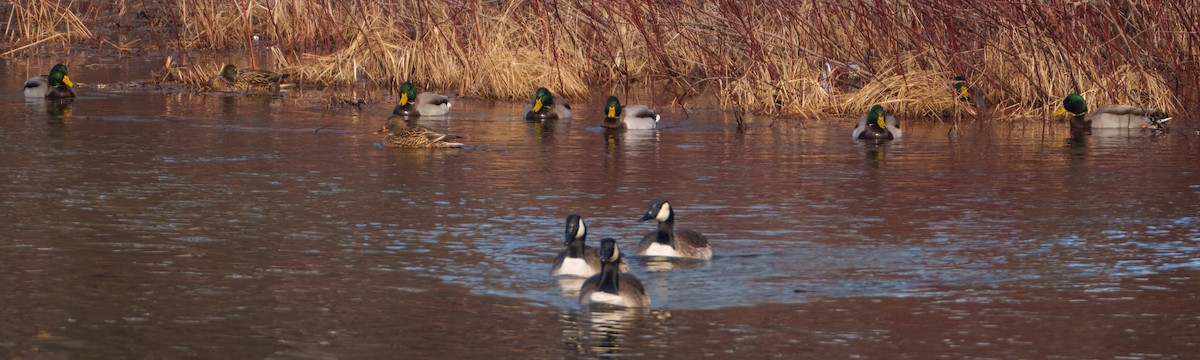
pixel 599 332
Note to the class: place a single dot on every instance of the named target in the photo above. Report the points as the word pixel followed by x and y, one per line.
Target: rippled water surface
pixel 142 224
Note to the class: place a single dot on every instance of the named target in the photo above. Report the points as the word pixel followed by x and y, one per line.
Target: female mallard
pixel 402 135
pixel 877 125
pixel 426 103
pixel 635 117
pixel 611 286
pixel 233 79
pixel 578 259
pixel 668 241
pixel 1109 116
pixel 55 86
pixel 545 107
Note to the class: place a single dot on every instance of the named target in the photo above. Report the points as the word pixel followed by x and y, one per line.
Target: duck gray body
pixel 633 117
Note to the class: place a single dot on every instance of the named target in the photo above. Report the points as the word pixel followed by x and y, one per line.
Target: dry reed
pixel 765 56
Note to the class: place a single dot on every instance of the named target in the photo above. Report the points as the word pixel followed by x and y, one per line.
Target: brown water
pixel 150 225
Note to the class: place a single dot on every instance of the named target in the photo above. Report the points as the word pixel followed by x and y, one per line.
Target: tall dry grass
pixel 763 56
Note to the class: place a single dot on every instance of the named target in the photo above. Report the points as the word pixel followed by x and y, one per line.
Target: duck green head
pixel 1074 103
pixel 877 116
pixel 960 85
pixel 612 107
pixel 408 93
pixel 58 76
pixel 542 98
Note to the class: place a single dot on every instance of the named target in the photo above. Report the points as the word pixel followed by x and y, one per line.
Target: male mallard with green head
pixel 877 125
pixel 402 135
pixel 545 106
pixel 1112 116
pixel 423 104
pixel 57 85
pixel 232 78
pixel 634 117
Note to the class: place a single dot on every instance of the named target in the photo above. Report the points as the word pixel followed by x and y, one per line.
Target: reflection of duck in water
pixel 578 259
pixel 877 125
pixel 633 117
pixel 545 106
pixel 423 104
pixel 231 78
pixel 611 286
pixel 403 135
pixel 57 85
pixel 1112 116
pixel 667 241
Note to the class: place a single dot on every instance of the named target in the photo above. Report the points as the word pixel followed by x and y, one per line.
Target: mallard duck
pixel 545 106
pixel 877 125
pixel 969 94
pixel 403 135
pixel 611 286
pixel 635 117
pixel 57 85
pixel 232 78
pixel 1110 116
pixel 426 103
pixel 668 241
pixel 578 259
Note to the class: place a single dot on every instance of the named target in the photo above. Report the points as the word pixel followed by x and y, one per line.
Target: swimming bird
pixel 611 286
pixel 668 241
pixel 634 117
pixel 578 259
pixel 403 135
pixel 1112 116
pixel 426 103
pixel 877 125
pixel 231 78
pixel 545 106
pixel 57 85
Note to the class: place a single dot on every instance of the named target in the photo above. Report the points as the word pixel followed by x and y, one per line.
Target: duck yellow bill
pixel 403 99
pixel 1061 110
pixel 612 111
pixel 537 105
pixel 67 80
pixel 963 91
pixel 882 123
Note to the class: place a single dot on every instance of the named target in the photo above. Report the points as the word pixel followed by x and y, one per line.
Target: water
pixel 144 224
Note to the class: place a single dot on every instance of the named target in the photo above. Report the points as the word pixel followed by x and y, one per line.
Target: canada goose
pixel 668 241
pixel 877 125
pixel 57 85
pixel 578 259
pixel 426 103
pixel 545 106
pixel 634 117
pixel 611 286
